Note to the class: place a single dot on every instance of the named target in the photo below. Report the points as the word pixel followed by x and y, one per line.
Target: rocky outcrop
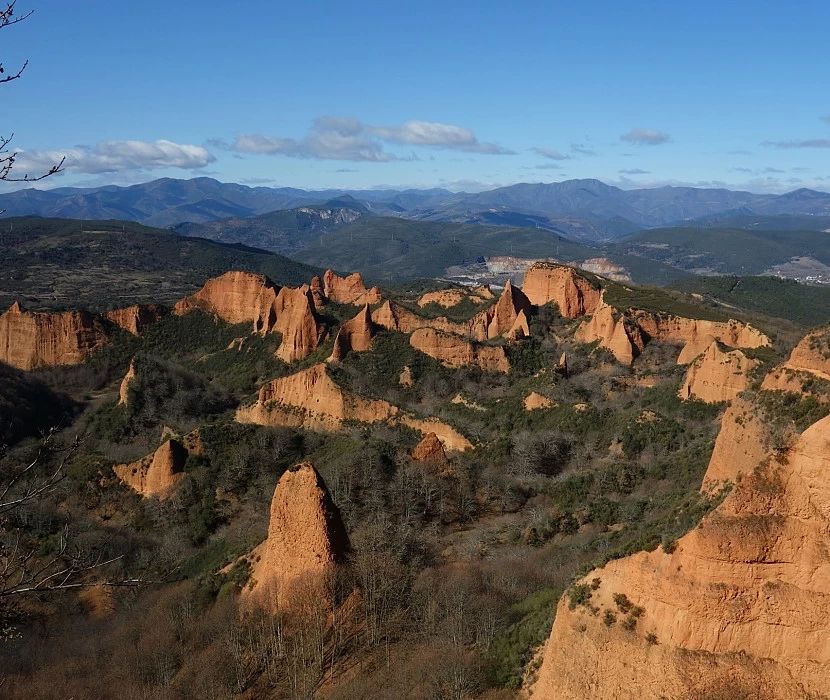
pixel 739 608
pixel 296 320
pixel 317 293
pixel 520 327
pixel 430 453
pixel 405 378
pixel 616 332
pixel 38 339
pixel 740 445
pixel 158 474
pixel 453 297
pixel 124 389
pixel 809 360
pixel 451 439
pixel 349 290
pixel 236 297
pixel 354 336
pixel 501 317
pixel 453 351
pixel 395 317
pixel 697 335
pixel 306 541
pixel 534 401
pixel 134 319
pixel 311 399
pixel 718 375
pixel 571 292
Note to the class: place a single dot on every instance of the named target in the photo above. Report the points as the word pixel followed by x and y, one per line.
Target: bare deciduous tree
pixel 8 156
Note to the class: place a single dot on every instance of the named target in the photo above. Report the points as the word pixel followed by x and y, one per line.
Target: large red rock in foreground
pixel 573 294
pixel 39 339
pixel 306 541
pixel 740 608
pixel 718 375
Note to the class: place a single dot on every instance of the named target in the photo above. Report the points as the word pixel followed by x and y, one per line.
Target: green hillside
pixel 64 263
pixel 726 250
pixel 808 306
pixel 384 248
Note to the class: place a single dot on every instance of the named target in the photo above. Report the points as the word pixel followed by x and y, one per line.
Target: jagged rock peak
pixel 349 290
pixel 306 540
pixel 718 375
pixel 573 293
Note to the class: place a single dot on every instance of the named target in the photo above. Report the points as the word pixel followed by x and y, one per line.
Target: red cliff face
pixel 354 336
pixel 158 474
pixel 349 290
pixel 306 541
pixel 430 453
pixel 236 297
pixel 615 332
pixel 297 321
pixel 453 351
pixel 501 318
pixel 134 319
pixel 573 294
pixel 718 375
pixel 739 608
pixel 29 340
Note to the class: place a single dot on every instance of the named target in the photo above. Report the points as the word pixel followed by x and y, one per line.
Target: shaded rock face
pixel 534 401
pixel 742 603
pixel 430 453
pixel 157 474
pixel 573 294
pixel 134 319
pixel 453 351
pixel 697 335
pixel 311 399
pixel 349 290
pixel 301 331
pixel 306 541
pixel 615 332
pixel 34 339
pixel 236 297
pixel 394 317
pixel 717 375
pixel 354 336
pixel 124 389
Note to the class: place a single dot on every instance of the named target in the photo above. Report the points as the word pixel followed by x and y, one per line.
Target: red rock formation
pixel 349 290
pixel 124 389
pixel 157 474
pixel 453 297
pixel 405 378
pixel 317 293
pixel 430 453
pixel 354 336
pixel 573 294
pixel 520 327
pixel 718 375
pixel 394 317
pixel 453 351
pixel 236 297
pixel 698 335
pixel 134 319
pixel 615 332
pixel 36 339
pixel 500 318
pixel 306 541
pixel 451 439
pixel 809 359
pixel 311 399
pixel 740 446
pixel 484 292
pixel 739 608
pixel 301 332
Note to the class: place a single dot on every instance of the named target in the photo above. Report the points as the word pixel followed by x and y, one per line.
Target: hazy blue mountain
pixel 167 201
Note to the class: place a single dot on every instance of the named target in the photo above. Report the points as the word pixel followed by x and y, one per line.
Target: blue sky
pixel 465 95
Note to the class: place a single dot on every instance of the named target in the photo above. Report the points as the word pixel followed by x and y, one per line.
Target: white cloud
pixel 346 138
pixel 552 154
pixel 646 137
pixel 808 143
pixel 116 156
pixel 633 171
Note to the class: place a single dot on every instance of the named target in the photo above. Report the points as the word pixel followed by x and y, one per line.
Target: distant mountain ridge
pixel 167 202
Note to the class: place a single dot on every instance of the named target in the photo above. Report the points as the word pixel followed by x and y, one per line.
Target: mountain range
pixel 587 209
